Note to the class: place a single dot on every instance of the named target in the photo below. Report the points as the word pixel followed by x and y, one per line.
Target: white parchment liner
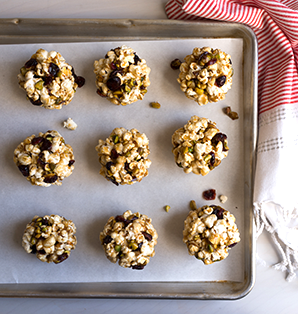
pixel 86 197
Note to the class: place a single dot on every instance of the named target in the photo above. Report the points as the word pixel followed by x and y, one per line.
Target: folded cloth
pixel 275 24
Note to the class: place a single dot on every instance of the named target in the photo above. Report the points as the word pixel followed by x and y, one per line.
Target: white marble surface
pixel 271 293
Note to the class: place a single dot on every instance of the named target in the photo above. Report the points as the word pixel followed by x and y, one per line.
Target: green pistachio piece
pixel 39 85
pixel 117 248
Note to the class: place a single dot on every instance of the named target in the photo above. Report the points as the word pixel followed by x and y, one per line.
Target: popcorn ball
pixel 51 238
pixel 48 80
pixel 206 75
pixel 124 156
pixel 129 239
pixel 199 146
pixel 209 233
pixel 44 159
pixel 122 77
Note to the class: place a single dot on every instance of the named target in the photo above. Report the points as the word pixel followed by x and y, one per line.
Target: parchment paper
pixel 89 199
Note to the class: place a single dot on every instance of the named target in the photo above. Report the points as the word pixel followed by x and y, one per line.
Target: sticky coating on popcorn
pixel 50 237
pixel 129 239
pixel 45 159
pixel 209 233
pixel 122 77
pixel 206 75
pixel 199 146
pixel 48 80
pixel 124 156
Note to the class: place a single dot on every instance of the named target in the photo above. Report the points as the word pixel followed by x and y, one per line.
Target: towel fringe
pixel 289 257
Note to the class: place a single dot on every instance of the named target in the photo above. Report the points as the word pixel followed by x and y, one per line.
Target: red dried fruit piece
pixel 31 63
pixel 209 194
pixel 147 236
pixel 61 258
pixel 175 64
pixel 36 140
pixel 138 267
pixel 107 239
pixel 220 81
pixel 46 145
pixel 114 83
pixel 35 102
pixel 80 81
pixel 24 170
pixel 50 179
pixel 53 69
pixel 71 162
pixel 114 154
pixel 218 211
pixel 211 62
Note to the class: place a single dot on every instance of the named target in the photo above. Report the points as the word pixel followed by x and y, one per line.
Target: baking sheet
pixel 87 198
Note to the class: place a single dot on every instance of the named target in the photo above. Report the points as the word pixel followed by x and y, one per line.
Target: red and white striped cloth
pixel 275 23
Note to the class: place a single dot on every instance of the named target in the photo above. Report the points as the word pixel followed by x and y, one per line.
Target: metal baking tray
pixel 22 31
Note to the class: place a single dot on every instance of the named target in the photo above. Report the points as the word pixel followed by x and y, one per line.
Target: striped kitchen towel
pixel 275 23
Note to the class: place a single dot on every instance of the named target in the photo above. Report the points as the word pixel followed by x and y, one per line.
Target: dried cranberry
pixel 36 140
pixel 203 55
pixel 209 194
pixel 100 93
pixel 31 63
pixel 71 162
pixel 147 236
pixel 112 179
pixel 61 258
pixel 218 137
pixel 46 145
pixel 220 81
pixel 45 221
pixel 136 59
pixel 24 170
pixel 33 248
pixel 109 165
pixel 41 162
pixel 53 69
pixel 42 252
pixel 120 218
pixel 114 154
pixel 138 267
pixel 80 81
pixel 113 66
pixel 232 245
pixel 212 160
pixel 48 80
pixel 175 64
pixel 218 211
pixel 211 62
pixel 50 179
pixel 114 83
pixel 115 72
pixel 142 87
pixel 35 102
pixel 128 221
pixel 107 239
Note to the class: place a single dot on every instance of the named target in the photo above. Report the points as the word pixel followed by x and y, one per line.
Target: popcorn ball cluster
pixel 199 147
pixel 209 232
pixel 122 77
pixel 48 80
pixel 129 239
pixel 124 156
pixel 206 75
pixel 51 238
pixel 44 159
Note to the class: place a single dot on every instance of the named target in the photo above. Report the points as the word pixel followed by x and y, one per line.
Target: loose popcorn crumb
pixel 124 156
pixel 206 75
pixel 70 124
pixel 199 147
pixel 48 80
pixel 223 198
pixel 129 239
pixel 209 232
pixel 44 159
pixel 122 77
pixel 51 238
